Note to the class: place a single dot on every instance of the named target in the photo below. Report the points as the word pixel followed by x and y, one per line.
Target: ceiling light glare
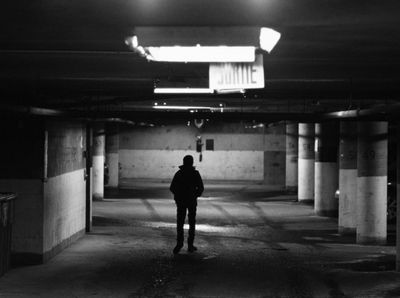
pixel 185 108
pixel 132 42
pixel 179 107
pixel 229 91
pixel 206 54
pixel 268 39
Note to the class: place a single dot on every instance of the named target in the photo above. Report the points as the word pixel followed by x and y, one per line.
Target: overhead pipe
pixel 378 112
pixel 113 120
pixel 33 110
pixel 381 111
pixel 60 113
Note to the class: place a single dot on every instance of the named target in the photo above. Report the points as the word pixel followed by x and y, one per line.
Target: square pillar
pixel 372 156
pixel 306 162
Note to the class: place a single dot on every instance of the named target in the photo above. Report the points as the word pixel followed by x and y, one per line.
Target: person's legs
pixel 192 226
pixel 180 221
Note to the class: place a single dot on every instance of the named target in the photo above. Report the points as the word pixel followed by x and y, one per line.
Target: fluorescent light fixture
pixel 201 54
pixel 196 91
pixel 229 91
pixel 268 39
pixel 182 108
pixel 183 91
pixel 207 54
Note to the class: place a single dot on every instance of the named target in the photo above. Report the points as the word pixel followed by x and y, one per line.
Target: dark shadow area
pixel 391 234
pixel 393 293
pixel 106 221
pixel 172 276
pixel 137 193
pixel 381 263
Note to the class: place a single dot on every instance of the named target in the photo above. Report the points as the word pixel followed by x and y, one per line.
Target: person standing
pixel 186 186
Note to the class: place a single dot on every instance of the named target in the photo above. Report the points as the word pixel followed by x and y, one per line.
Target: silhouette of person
pixel 186 186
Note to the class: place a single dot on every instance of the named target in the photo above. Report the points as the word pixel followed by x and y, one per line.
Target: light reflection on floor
pixel 210 198
pixel 199 227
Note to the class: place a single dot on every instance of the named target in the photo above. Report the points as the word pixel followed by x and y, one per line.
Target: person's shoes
pixel 192 248
pixel 177 248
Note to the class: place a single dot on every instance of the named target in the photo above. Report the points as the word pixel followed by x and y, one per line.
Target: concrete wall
pixel 275 155
pixel 162 164
pixel 240 152
pixel 111 154
pixel 64 191
pixel 43 164
pixel 27 234
pixel 21 172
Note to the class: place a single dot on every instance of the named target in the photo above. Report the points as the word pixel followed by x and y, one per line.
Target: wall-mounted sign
pixel 237 75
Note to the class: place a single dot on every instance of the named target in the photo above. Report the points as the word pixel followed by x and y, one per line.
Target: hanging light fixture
pixel 218 53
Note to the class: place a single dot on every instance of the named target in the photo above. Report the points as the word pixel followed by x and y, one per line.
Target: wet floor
pixel 252 242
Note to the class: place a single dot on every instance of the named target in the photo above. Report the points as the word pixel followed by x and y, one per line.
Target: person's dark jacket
pixel 187 185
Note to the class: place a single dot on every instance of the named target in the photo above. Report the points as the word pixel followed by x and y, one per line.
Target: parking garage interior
pixel 299 154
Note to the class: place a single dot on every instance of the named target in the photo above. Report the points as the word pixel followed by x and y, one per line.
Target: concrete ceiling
pixel 332 54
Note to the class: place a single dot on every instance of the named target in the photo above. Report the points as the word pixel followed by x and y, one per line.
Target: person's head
pixel 188 161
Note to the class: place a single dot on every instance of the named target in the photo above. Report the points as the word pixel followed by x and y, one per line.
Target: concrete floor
pixel 253 242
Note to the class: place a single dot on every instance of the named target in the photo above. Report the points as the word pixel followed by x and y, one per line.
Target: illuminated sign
pixel 237 75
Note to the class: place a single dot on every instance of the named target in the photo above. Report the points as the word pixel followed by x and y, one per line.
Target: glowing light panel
pixel 182 108
pixel 201 54
pixel 207 54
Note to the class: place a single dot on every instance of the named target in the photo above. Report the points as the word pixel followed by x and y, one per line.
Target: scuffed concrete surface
pixel 253 242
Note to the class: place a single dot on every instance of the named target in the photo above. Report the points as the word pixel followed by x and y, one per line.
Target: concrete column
pixel 398 199
pixel 98 161
pixel 372 182
pixel 348 177
pixel 89 178
pixel 112 156
pixel 292 146
pixel 306 162
pixel 326 168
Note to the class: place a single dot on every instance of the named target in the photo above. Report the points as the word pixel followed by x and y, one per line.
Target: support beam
pixel 98 161
pixel 348 178
pixel 292 152
pixel 372 182
pixel 306 162
pixel 326 168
